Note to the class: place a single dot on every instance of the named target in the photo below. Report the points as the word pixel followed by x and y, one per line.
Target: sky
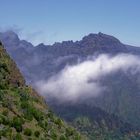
pixel 50 21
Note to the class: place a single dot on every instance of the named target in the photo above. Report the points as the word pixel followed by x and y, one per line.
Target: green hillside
pixel 97 124
pixel 23 113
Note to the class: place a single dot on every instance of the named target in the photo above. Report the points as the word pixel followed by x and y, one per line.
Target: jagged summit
pixel 92 39
pixel 99 40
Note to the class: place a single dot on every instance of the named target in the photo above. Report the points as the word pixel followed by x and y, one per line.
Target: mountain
pixel 23 113
pixel 42 61
pixel 119 104
pixel 96 123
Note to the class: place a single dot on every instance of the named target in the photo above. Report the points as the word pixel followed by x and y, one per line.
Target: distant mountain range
pixel 116 112
pixel 31 59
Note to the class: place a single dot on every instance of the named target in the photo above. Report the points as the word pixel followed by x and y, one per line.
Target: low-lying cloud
pixel 82 80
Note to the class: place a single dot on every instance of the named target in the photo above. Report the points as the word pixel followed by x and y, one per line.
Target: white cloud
pixel 81 81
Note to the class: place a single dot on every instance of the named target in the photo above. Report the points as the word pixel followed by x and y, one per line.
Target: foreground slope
pixel 24 114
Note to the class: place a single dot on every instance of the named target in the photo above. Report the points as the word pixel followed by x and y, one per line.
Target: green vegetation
pixel 23 113
pixel 100 131
pixel 97 124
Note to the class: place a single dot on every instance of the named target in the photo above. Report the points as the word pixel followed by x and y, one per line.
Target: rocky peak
pixel 99 40
pixel 9 35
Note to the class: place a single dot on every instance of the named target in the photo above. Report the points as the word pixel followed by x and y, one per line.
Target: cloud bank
pixel 82 80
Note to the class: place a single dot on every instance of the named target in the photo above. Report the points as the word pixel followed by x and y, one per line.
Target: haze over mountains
pixel 98 73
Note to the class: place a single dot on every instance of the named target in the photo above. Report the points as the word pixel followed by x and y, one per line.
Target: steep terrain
pixel 24 115
pixel 96 123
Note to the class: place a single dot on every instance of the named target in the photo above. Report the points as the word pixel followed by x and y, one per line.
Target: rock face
pixel 23 113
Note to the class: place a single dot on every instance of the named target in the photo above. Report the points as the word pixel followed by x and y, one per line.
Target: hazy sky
pixel 50 21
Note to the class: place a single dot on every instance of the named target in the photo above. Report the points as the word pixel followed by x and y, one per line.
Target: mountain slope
pixel 23 113
pixel 96 123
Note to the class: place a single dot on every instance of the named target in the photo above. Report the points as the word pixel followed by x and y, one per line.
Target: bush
pixel 18 137
pixel 1 94
pixel 53 135
pixel 69 132
pixel 5 104
pixel 62 137
pixel 28 116
pixel 4 67
pixel 28 132
pixel 31 112
pixel 24 96
pixel 46 123
pixel 37 133
pixel 37 114
pixel 24 104
pixel 17 124
pixel 3 133
pixel 5 112
pixel 5 120
pixel 78 137
pixel 59 122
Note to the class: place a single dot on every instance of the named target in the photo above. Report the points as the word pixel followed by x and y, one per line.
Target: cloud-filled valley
pixel 82 80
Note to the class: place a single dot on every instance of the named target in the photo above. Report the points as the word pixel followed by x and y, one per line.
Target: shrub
pixel 24 96
pixel 46 123
pixel 62 137
pixel 4 66
pixel 53 135
pixel 58 122
pixel 28 116
pixel 5 120
pixel 78 137
pixel 1 120
pixel 24 104
pixel 37 114
pixel 18 137
pixel 28 132
pixel 1 94
pixel 69 132
pixel 3 133
pixel 5 112
pixel 17 124
pixel 37 133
